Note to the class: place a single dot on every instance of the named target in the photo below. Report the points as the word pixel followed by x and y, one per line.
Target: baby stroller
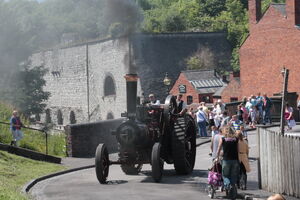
pixel 215 180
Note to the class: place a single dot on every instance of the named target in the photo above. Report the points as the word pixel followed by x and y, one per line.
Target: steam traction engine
pixel 150 134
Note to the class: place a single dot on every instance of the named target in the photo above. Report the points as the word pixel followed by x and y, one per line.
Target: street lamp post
pixel 167 82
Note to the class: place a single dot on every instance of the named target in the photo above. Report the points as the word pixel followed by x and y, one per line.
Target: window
pixel 72 118
pixel 60 119
pixel 297 13
pixel 48 116
pixel 189 100
pixel 110 116
pixel 233 99
pixel 109 86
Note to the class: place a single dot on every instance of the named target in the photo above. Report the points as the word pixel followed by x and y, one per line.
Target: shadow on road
pixel 170 177
pixel 116 182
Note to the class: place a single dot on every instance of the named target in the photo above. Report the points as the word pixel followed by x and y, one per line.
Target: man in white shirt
pixel 201 121
pixel 153 100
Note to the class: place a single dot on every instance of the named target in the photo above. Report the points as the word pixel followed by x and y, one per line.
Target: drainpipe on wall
pixel 88 82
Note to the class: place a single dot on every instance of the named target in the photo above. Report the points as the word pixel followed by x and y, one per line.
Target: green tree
pixel 202 59
pixel 30 96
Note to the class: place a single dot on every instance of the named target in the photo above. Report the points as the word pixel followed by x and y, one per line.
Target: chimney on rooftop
pixel 293 11
pixel 254 7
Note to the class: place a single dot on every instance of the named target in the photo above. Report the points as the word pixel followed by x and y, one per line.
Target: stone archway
pixel 109 86
pixel 48 116
pixel 60 120
pixel 72 117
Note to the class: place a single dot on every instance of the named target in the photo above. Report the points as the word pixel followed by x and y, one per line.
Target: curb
pixel 29 185
pixel 204 142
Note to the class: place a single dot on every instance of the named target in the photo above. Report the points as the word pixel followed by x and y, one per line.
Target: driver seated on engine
pixel 153 101
pixel 153 104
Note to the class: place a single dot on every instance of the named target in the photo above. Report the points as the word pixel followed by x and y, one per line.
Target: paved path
pixel 84 185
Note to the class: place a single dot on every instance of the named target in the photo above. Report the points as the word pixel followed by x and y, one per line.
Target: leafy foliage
pixel 202 59
pixel 27 94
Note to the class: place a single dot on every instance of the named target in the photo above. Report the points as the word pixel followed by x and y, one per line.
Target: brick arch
pixel 109 85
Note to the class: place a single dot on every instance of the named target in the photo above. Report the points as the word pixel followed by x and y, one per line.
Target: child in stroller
pixel 215 180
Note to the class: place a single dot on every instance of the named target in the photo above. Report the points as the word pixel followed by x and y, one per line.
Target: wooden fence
pixel 279 158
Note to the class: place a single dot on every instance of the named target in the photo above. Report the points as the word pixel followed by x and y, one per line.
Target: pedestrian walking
pixel 225 120
pixel 259 100
pixel 245 113
pixel 288 115
pixel 230 163
pixel 243 149
pixel 201 121
pixel 215 142
pixel 267 109
pixel 253 116
pixel 15 127
pixel 235 123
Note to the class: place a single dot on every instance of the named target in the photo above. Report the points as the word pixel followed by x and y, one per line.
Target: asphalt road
pixel 84 185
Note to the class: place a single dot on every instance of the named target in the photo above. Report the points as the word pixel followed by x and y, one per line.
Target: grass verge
pixel 16 171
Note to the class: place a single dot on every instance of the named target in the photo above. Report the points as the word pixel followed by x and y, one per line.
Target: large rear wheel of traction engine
pixel 184 146
pixel 157 163
pixel 102 163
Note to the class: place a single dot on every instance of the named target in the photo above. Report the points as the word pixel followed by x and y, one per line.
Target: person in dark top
pixel 240 112
pixel 230 163
pixel 181 105
pixel 15 127
pixel 267 105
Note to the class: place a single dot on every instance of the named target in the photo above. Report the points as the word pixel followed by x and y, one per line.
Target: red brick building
pixel 231 92
pixel 273 43
pixel 197 85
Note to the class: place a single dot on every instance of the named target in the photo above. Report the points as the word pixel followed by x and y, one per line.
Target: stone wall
pixel 78 72
pixel 66 81
pixel 76 80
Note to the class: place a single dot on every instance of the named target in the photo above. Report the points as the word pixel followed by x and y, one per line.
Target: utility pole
pixel 285 73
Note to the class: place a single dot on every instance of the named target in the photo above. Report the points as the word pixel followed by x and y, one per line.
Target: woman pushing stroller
pixel 230 162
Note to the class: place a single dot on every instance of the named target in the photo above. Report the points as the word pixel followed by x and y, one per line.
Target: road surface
pixel 84 184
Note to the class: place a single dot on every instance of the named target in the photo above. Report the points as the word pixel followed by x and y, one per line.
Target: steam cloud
pixel 30 26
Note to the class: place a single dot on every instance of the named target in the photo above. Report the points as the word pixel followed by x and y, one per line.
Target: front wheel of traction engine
pixel 157 163
pixel 102 163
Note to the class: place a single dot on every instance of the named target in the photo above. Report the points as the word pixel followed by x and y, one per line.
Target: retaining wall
pixel 83 139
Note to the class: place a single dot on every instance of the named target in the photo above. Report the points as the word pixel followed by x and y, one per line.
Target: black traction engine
pixel 150 134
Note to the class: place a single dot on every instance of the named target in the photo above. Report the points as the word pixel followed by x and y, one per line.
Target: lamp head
pixel 167 80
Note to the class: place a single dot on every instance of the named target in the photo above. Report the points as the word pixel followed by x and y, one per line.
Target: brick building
pixel 231 91
pixel 198 85
pixel 273 43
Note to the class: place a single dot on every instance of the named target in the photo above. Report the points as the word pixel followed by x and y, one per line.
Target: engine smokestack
pixel 131 90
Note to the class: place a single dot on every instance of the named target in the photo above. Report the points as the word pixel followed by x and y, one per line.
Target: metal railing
pixel 35 129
